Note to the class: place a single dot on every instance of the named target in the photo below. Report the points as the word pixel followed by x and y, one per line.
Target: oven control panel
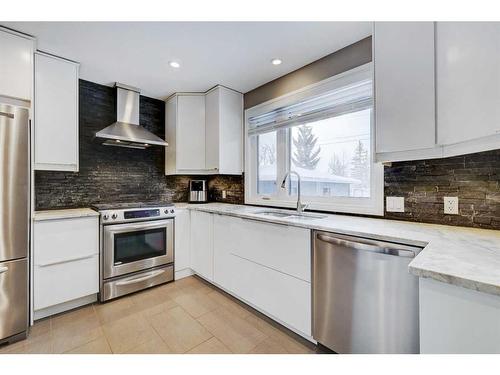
pixel 136 214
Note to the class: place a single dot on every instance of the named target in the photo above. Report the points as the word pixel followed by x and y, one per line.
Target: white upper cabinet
pixel 403 55
pixel 16 65
pixel 204 132
pixel 185 134
pixel 56 113
pixel 437 89
pixel 224 130
pixel 468 82
pixel 190 132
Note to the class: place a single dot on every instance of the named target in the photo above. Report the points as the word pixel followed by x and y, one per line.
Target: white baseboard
pixel 52 310
pixel 183 273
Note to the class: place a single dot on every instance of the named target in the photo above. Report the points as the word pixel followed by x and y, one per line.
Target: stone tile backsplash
pixel 473 178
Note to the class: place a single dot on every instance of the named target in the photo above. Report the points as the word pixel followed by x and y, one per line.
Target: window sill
pixel 337 207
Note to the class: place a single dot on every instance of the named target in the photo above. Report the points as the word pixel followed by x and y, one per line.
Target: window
pixel 267 165
pixel 325 134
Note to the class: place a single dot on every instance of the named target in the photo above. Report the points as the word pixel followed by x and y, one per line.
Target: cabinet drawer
pixel 61 240
pixel 280 296
pixel 280 247
pixel 63 282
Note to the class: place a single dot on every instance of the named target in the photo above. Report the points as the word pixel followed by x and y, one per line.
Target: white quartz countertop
pixel 63 214
pixel 465 257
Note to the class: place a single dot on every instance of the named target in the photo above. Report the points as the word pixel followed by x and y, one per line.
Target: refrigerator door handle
pixel 3 269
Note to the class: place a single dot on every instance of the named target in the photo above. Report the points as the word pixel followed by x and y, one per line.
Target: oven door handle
pixel 122 228
pixel 139 279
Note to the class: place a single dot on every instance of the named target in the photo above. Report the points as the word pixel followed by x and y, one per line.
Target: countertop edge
pixel 69 213
pixel 459 281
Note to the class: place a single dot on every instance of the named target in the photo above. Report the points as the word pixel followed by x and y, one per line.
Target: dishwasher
pixel 364 298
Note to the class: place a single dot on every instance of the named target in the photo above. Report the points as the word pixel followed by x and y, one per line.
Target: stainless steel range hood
pixel 126 131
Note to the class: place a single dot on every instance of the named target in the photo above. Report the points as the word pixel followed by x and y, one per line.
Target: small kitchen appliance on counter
pixel 198 191
pixel 136 247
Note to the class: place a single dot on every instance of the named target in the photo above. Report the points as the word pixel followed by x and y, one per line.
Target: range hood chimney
pixel 126 131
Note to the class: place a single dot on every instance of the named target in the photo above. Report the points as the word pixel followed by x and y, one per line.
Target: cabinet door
pixel 231 132
pixel 212 129
pixel 468 76
pixel 228 233
pixel 404 86
pixel 190 132
pixel 16 66
pixel 171 135
pixel 56 114
pixel 202 253
pixel 182 239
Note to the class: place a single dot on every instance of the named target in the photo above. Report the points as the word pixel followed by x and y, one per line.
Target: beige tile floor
pixel 186 316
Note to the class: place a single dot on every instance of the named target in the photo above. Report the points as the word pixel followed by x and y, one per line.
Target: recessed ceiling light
pixel 276 61
pixel 174 64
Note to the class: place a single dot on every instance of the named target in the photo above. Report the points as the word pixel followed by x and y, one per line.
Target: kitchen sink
pixel 290 215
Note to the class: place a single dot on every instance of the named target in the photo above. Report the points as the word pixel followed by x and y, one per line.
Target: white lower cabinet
pixel 182 251
pixel 202 250
pixel 456 320
pixel 267 266
pixel 66 263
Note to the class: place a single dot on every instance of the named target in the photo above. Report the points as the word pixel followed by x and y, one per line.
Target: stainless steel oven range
pixel 136 247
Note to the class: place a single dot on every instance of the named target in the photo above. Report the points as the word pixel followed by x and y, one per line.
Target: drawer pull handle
pixel 61 261
pixel 139 279
pixel 4 269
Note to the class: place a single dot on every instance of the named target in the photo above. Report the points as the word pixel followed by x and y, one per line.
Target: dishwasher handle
pixel 359 244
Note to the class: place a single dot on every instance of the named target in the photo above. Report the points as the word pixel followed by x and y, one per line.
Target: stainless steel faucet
pixel 300 207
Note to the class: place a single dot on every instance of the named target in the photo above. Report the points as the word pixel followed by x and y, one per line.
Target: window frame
pixel 374 205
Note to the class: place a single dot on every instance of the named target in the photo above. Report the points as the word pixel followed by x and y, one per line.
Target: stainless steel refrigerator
pixel 14 222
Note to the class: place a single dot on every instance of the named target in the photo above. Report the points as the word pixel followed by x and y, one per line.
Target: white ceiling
pixel 235 54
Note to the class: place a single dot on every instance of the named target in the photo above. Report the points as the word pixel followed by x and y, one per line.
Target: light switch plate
pixel 451 205
pixel 395 204
pixel 224 194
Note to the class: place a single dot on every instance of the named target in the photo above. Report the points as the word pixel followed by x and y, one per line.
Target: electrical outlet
pixel 395 204
pixel 451 205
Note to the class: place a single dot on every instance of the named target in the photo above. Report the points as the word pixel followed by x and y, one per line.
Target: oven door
pixel 137 246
